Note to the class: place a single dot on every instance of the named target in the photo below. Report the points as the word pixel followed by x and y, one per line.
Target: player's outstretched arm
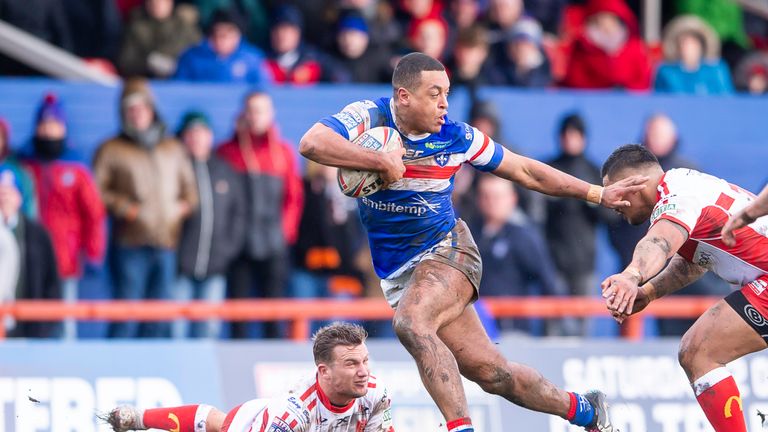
pixel 661 243
pixel 323 145
pixel 541 177
pixel 745 216
pixel 678 274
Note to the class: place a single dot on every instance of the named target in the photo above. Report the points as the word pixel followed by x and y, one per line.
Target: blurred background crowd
pixel 162 211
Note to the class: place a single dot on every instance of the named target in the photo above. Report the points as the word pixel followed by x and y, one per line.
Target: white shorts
pixel 457 249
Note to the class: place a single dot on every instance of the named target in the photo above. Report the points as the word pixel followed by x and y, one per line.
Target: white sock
pixel 201 416
pixel 709 379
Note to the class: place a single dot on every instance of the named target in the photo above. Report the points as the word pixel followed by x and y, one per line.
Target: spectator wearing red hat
pixel 609 53
pixel 70 206
pixel 752 74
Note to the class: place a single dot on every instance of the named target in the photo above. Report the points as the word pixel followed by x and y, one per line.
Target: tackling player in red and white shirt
pixel 688 210
pixel 342 396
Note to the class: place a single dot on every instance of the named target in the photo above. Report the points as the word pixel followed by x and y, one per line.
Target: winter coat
pixel 155 179
pixel 213 235
pixel 146 38
pixel 591 67
pixel 273 187
pixel 571 227
pixel 72 212
pixel 244 65
pixel 39 278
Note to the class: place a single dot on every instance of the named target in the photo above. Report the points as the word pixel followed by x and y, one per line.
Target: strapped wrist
pixel 650 291
pixel 595 194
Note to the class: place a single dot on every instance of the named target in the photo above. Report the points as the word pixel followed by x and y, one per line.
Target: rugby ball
pixel 357 183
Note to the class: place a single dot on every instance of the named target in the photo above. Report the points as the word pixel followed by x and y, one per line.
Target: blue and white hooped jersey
pixel 416 212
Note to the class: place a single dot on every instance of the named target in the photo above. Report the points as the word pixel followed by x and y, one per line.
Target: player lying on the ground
pixel 687 210
pixel 429 264
pixel 745 216
pixel 340 392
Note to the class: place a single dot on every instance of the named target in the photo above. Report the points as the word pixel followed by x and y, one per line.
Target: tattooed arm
pixel 651 254
pixel 678 274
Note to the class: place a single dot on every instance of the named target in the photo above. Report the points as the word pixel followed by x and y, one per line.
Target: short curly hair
pixel 333 335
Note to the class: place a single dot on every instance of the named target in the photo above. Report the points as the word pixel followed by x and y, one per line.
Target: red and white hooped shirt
pixel 305 408
pixel 701 204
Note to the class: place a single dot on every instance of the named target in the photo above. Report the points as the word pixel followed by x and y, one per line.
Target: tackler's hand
pixel 737 221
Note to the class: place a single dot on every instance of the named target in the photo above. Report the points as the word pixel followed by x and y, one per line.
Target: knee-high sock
pixel 720 399
pixel 187 418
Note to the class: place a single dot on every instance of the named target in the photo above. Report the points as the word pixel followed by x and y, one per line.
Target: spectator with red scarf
pixel 70 206
pixel 609 52
pixel 268 166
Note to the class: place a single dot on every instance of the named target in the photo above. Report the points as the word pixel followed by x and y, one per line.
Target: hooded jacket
pixel 591 67
pixel 712 75
pixel 144 179
pixel 71 209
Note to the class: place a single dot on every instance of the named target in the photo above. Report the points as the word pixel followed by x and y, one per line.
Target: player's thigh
pixel 437 294
pixel 475 353
pixel 720 336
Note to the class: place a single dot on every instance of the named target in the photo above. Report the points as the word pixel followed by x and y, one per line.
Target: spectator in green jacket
pixel 155 36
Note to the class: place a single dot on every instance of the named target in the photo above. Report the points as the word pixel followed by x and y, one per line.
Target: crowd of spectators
pixel 707 47
pixel 174 215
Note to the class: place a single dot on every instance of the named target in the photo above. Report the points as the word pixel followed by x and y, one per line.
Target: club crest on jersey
pixel 442 159
pixel 758 286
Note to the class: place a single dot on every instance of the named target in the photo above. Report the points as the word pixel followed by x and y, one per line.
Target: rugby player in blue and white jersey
pixel 429 263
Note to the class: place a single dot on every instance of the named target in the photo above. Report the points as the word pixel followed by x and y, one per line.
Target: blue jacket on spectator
pixel 201 63
pixel 710 79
